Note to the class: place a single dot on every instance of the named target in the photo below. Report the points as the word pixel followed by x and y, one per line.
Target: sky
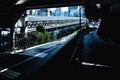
pixel 63 9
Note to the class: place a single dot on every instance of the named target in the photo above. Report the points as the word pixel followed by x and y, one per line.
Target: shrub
pixel 40 36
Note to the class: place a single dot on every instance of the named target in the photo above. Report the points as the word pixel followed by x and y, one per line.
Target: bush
pixel 40 36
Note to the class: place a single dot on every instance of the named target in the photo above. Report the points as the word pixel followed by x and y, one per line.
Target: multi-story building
pixel 73 11
pixel 38 12
pixel 57 12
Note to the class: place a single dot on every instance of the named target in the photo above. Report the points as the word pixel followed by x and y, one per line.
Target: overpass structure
pixel 51 22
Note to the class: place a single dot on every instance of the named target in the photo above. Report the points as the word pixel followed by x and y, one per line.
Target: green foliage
pixel 67 32
pixel 40 36
pixel 84 26
pixel 40 28
pixel 47 36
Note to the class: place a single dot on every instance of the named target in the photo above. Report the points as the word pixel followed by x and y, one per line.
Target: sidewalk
pixel 63 39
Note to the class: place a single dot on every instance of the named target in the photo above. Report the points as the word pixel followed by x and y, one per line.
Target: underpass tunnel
pixel 102 44
pixel 109 15
pixel 93 53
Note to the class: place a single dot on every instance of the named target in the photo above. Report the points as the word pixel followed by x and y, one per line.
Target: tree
pixel 40 28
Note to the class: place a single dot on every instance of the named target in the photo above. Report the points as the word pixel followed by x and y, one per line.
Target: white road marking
pixel 9 73
pixel 42 55
pixel 94 64
pixel 3 70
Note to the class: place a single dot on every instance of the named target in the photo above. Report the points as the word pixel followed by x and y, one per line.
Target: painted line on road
pixel 94 64
pixel 3 70
pixel 9 73
pixel 41 55
pixel 12 74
